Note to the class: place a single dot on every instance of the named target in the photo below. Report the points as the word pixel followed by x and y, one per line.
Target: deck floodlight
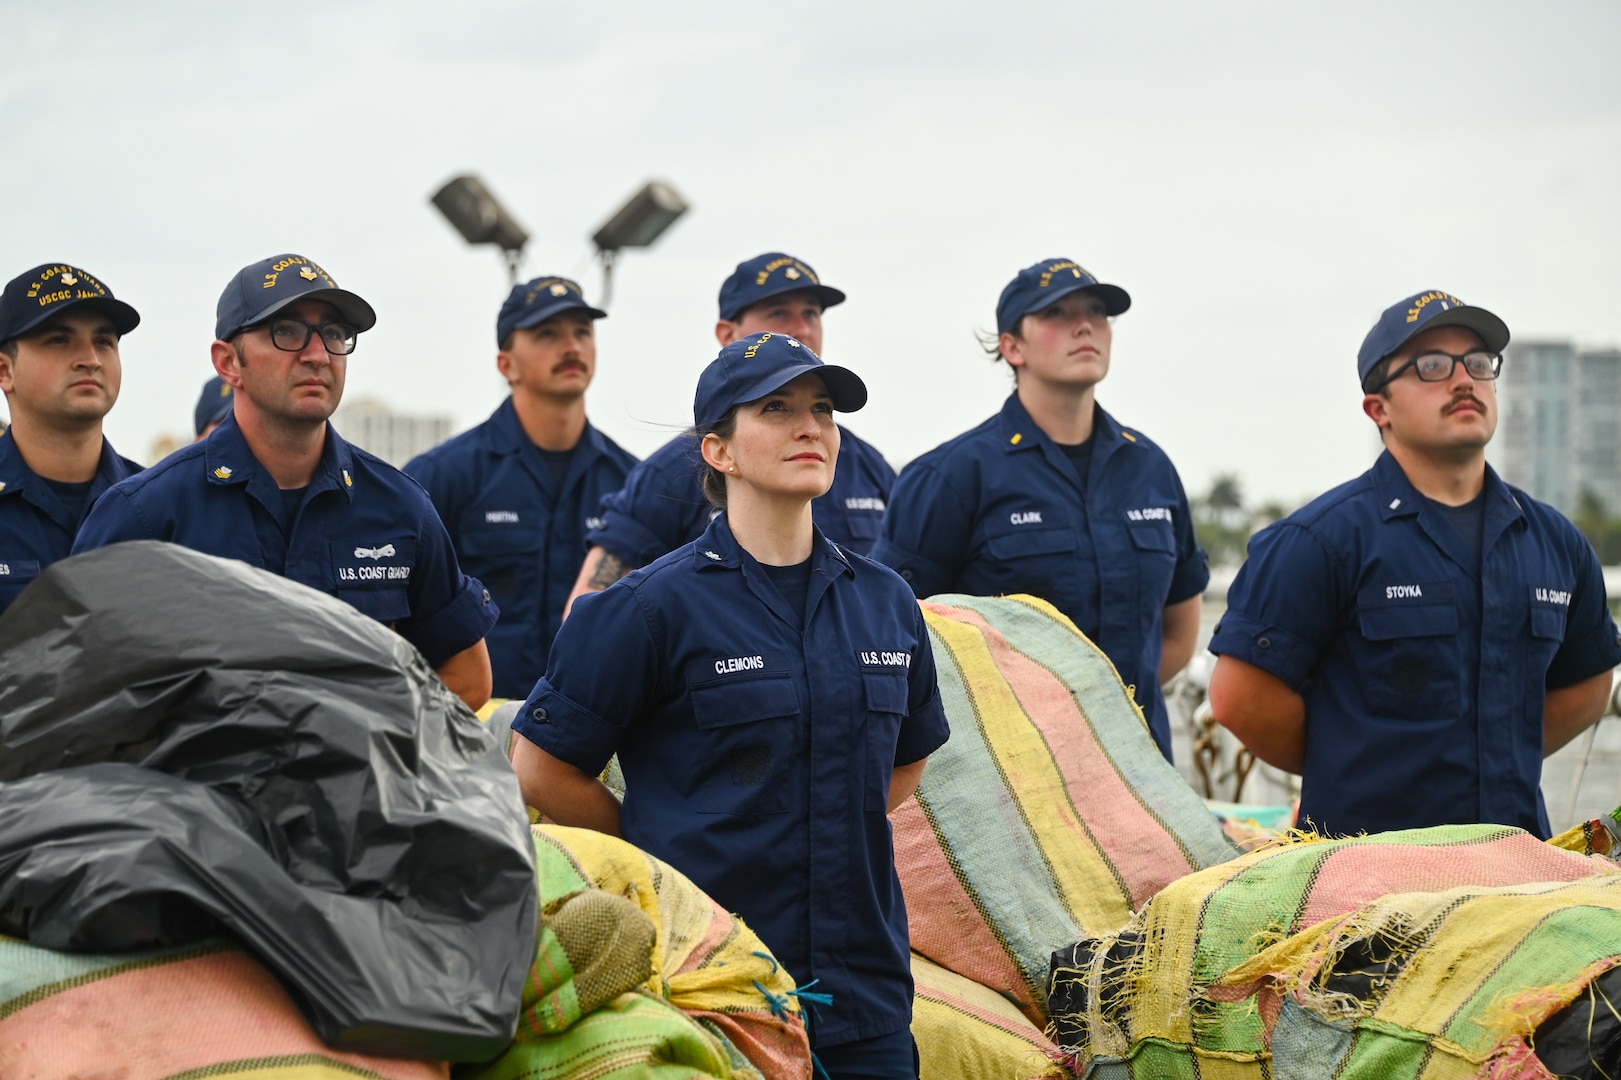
pixel 480 218
pixel 643 219
pixel 638 223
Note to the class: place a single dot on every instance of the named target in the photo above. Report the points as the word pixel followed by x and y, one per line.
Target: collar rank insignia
pixel 559 290
pixel 2 485
pixel 1394 503
pixel 69 279
pixel 348 481
pixel 712 555
pixel 223 472
pixel 308 273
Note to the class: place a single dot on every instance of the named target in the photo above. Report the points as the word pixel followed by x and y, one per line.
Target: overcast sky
pixel 1262 177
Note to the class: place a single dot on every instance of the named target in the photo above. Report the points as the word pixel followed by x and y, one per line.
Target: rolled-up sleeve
pixel 927 529
pixel 1283 605
pixel 604 664
pixel 925 728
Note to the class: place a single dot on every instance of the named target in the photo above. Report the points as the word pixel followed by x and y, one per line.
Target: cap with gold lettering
pixel 751 367
pixel 1406 319
pixel 260 290
pixel 1034 287
pixel 768 275
pixel 533 302
pixel 31 298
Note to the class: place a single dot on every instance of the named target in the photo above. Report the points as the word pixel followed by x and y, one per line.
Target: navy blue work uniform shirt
pixel 662 504
pixel 757 749
pixel 36 528
pixel 516 531
pixel 1000 509
pixel 1424 672
pixel 364 532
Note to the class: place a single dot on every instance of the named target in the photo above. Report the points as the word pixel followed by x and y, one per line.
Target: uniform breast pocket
pixel 886 694
pixel 1027 560
pixel 15 576
pixel 1154 544
pixel 374 576
pixel 505 559
pixel 1412 657
pixel 748 730
pixel 1549 613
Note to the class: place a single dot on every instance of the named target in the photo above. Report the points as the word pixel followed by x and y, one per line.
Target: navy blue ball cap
pixel 533 302
pixel 263 288
pixel 1034 287
pixel 214 404
pixel 768 275
pixel 1404 320
pixel 750 368
pixel 32 297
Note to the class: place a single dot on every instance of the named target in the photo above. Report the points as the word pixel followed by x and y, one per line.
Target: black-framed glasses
pixel 1439 366
pixel 293 335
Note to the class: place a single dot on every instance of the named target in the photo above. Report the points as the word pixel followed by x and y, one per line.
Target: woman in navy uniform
pixel 771 697
pixel 1054 497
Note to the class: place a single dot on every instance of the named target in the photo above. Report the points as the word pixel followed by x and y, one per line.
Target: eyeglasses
pixel 1439 366
pixel 293 335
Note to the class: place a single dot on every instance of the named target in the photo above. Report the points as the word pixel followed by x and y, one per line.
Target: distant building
pixel 373 426
pixel 1559 430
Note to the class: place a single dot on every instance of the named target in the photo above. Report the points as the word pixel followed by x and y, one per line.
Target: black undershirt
pixel 557 463
pixel 1468 521
pixel 1080 456
pixel 793 582
pixel 73 496
pixel 291 500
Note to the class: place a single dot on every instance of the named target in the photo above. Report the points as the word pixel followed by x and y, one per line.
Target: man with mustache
pixel 276 487
pixel 60 371
pixel 518 491
pixel 1414 642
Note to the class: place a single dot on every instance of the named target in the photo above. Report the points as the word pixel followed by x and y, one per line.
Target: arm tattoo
pixel 609 570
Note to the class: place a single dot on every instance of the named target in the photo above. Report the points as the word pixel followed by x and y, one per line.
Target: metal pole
pixel 607 256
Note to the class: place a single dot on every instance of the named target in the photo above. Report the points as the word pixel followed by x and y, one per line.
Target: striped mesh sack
pixel 206 1010
pixel 1049 815
pixel 1447 985
pixel 696 965
pixel 964 1031
pixel 1138 1003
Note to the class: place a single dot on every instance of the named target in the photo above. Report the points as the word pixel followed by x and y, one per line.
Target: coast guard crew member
pixel 771 696
pixel 1416 640
pixel 1053 497
pixel 60 371
pixel 213 406
pixel 661 506
pixel 276 487
pixel 516 491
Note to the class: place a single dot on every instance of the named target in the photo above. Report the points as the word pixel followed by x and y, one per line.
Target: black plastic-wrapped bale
pixel 189 744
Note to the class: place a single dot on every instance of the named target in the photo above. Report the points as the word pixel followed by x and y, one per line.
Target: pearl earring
pixel 731 468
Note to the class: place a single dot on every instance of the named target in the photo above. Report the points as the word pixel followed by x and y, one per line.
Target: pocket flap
pixel 744 701
pixel 1419 620
pixel 886 691
pixel 1153 536
pixel 1033 542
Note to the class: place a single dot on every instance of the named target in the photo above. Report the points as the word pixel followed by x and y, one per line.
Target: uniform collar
pixel 1399 498
pixel 507 435
pixel 228 460
pixel 16 476
pixel 1019 432
pixel 717 548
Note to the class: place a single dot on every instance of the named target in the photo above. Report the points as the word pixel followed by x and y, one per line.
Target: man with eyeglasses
pixel 1414 642
pixel 60 329
pixel 275 486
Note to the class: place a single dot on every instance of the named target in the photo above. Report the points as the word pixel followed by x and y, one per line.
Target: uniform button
pixel 1263 642
pixel 486 596
pixel 540 714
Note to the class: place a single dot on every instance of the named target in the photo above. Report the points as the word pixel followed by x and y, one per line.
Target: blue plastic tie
pixel 768 958
pixel 778 1002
